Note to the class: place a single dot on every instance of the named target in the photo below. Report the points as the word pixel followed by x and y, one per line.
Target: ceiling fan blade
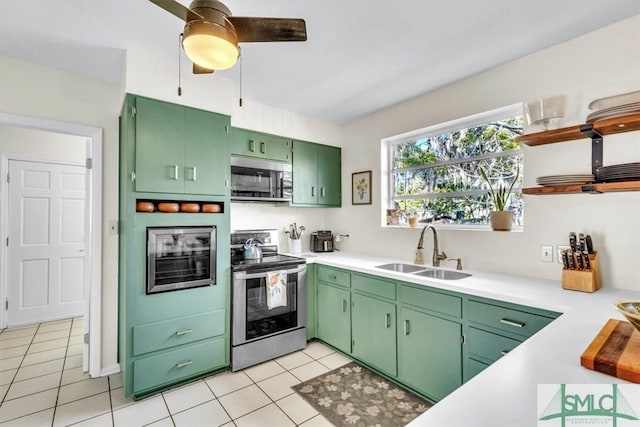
pixel 177 9
pixel 197 69
pixel 253 29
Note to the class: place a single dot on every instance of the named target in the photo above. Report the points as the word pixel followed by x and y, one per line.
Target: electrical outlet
pixel 561 248
pixel 546 253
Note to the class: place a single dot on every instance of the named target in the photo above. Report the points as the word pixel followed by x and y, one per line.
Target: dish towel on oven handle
pixel 276 289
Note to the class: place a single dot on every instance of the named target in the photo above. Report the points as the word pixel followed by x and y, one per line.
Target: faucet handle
pixel 442 255
pixel 459 260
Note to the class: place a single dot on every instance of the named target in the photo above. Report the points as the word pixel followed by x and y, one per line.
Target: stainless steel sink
pixel 401 268
pixel 442 274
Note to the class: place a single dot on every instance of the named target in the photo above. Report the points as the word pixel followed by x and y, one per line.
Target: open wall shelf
pixel 595 131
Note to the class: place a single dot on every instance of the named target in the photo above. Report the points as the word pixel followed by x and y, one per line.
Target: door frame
pixel 93 223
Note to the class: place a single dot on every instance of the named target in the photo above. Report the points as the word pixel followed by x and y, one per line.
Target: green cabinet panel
pixel 373 330
pixel 334 316
pixel 507 319
pixel 206 157
pixel 429 353
pixel 487 346
pixel 334 276
pixel 317 176
pixel 170 333
pixel 311 301
pixel 438 302
pixel 374 285
pixel 179 149
pixel 474 367
pixel 159 146
pixel 172 366
pixel 250 143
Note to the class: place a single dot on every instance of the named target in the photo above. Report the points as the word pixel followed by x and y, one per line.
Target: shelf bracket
pixel 597 142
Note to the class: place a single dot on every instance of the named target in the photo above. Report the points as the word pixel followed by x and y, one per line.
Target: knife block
pixel 583 280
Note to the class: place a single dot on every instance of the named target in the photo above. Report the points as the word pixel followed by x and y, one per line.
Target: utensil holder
pixel 295 246
pixel 583 280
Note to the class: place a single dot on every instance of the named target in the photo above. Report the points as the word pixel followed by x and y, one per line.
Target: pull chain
pixel 240 60
pixel 179 65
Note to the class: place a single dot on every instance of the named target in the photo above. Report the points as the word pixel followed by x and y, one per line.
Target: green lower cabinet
pixel 474 367
pixel 334 316
pixel 373 330
pixel 311 302
pixel 429 353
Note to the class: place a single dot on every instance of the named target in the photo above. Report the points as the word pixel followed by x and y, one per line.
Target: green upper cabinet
pixel 179 149
pixel 249 143
pixel 317 178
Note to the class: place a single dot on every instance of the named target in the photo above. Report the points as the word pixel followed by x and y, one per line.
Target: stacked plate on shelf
pixel 577 179
pixel 622 172
pixel 614 106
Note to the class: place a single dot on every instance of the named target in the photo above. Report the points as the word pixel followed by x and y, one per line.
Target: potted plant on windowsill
pixel 501 219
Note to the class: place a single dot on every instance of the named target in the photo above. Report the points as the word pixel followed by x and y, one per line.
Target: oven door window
pixel 262 321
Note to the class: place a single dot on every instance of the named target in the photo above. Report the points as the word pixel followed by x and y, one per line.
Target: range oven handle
pixel 243 274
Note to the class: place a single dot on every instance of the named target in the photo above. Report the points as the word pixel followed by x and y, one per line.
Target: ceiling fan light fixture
pixel 210 45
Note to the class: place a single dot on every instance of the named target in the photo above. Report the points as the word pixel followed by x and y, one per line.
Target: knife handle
pixel 571 260
pixel 582 244
pixel 579 260
pixel 589 244
pixel 572 241
pixel 587 262
pixel 565 259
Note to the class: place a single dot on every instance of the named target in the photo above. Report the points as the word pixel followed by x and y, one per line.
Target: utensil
pixel 585 258
pixel 572 241
pixel 583 245
pixel 589 244
pixel 565 259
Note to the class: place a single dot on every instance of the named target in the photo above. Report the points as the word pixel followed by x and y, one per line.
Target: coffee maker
pixel 322 241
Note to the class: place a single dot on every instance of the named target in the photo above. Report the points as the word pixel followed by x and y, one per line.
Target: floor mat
pixel 354 396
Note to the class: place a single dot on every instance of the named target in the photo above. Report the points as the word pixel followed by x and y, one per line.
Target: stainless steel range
pixel 268 301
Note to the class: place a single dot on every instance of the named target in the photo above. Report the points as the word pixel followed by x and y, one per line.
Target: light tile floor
pixel 42 384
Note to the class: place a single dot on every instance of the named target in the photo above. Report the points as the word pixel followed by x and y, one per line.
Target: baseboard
pixel 114 369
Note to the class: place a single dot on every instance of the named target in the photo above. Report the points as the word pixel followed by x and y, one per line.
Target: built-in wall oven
pixel 180 258
pixel 268 306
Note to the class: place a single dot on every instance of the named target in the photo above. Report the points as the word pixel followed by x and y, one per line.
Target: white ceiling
pixel 361 55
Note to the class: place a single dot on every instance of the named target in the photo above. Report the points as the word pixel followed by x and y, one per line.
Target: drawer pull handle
pixel 512 323
pixel 504 352
pixel 175 172
pixel 313 191
pixel 252 145
pixel 344 306
pixel 263 147
pixel 387 320
pixel 406 327
pixel 184 332
pixel 183 364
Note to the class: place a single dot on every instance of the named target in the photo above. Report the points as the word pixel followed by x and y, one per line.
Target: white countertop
pixel 505 394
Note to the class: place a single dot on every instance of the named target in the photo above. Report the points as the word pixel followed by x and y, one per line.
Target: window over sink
pixel 434 173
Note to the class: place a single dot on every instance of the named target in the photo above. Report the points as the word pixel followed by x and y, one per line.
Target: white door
pixel 46 253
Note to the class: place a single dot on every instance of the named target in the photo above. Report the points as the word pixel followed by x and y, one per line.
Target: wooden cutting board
pixel 615 351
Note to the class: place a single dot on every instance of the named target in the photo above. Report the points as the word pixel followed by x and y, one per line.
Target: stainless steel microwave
pixel 259 180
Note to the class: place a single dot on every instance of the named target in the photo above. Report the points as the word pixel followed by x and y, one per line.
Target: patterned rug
pixel 354 396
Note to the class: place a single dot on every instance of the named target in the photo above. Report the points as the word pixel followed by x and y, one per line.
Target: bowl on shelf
pixel 631 310
pixel 543 111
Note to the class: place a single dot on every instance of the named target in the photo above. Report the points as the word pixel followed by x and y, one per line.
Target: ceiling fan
pixel 211 34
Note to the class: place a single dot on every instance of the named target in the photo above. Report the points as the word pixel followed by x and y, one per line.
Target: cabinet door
pixel 429 353
pixel 329 176
pixel 205 165
pixel 276 148
pixel 334 317
pixel 243 143
pixel 373 329
pixel 159 146
pixel 305 173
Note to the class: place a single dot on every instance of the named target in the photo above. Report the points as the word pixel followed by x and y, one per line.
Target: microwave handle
pixel 244 275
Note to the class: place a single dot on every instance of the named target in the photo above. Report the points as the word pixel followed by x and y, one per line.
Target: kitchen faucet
pixel 437 256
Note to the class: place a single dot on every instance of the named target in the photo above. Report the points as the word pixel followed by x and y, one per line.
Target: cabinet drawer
pixel 179 364
pixel 432 301
pixel 506 319
pixel 474 367
pixel 489 346
pixel 373 285
pixel 170 333
pixel 334 276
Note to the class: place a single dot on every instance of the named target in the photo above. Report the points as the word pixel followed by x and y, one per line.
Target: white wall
pixel 603 63
pixel 42 145
pixel 43 92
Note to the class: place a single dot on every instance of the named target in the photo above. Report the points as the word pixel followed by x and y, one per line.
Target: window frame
pixel 387 146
